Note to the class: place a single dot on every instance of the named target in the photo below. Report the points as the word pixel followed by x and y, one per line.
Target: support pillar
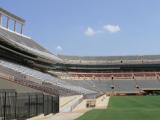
pixel 21 28
pixel 7 26
pixel 0 19
pixel 14 26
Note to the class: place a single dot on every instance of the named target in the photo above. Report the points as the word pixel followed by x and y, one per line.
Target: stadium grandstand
pixel 40 82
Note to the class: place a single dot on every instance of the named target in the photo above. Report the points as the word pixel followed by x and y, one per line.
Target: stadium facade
pixel 32 74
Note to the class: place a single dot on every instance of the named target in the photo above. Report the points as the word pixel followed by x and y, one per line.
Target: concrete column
pixel 7 26
pixel 21 28
pixel 14 26
pixel 0 19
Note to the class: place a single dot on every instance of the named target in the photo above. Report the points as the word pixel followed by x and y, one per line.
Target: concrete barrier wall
pixel 69 103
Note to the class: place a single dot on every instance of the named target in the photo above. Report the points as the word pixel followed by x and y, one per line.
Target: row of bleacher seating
pixel 118 86
pixel 55 84
pixel 107 75
pixel 21 79
pixel 94 85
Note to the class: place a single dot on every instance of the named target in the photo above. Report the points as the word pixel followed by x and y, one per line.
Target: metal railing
pixel 20 106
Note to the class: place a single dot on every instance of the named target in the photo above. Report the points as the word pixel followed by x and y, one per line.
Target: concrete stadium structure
pixel 27 67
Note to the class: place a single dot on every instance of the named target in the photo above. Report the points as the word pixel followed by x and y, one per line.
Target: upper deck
pixel 105 60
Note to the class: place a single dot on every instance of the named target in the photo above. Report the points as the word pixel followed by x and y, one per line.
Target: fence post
pixel 57 104
pixel 28 105
pixel 37 104
pixel 52 103
pixel 43 103
pixel 4 112
pixel 47 104
pixel 15 105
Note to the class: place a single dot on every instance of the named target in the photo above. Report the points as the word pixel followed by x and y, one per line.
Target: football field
pixel 127 108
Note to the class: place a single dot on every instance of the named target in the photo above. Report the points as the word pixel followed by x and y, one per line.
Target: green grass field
pixel 127 108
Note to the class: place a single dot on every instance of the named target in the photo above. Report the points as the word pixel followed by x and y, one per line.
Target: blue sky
pixel 91 27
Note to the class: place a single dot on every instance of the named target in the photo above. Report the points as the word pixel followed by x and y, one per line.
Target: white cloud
pixel 112 28
pixel 90 32
pixel 59 48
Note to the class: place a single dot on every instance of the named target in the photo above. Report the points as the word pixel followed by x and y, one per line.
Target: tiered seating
pixel 96 85
pixel 52 85
pixel 104 85
pixel 54 82
pixel 149 84
pixel 127 82
pixel 128 86
pixel 118 86
pixel 145 75
pixel 18 78
pixel 114 75
pixel 150 74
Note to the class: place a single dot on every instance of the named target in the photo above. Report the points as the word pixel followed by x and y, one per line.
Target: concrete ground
pixel 64 116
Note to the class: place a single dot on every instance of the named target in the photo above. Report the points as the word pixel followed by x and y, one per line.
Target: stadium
pixel 37 83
